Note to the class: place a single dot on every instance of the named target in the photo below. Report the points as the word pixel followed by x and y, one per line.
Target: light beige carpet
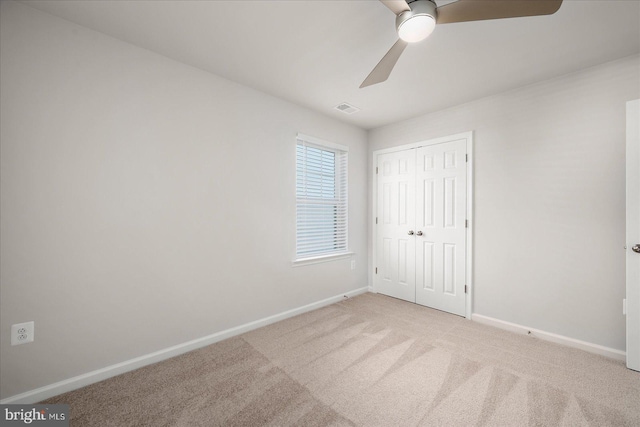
pixel 369 361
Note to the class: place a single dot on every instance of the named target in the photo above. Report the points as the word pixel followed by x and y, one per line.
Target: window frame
pixel 342 201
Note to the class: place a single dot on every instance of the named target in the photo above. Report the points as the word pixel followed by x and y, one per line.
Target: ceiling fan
pixel 416 20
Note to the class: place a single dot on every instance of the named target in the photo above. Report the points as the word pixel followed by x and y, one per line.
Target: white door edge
pixel 632 232
pixel 468 136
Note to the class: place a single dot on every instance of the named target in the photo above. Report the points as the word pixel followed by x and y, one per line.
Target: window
pixel 321 198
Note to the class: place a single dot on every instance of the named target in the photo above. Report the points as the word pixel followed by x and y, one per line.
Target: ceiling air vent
pixel 347 108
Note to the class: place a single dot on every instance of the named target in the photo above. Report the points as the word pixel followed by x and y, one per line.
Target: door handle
pixel 419 233
pixel 410 233
pixel 636 248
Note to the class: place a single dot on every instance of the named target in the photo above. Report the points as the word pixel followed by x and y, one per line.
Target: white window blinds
pixel 321 198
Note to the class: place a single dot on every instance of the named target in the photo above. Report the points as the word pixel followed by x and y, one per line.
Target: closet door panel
pixel 440 218
pixel 396 252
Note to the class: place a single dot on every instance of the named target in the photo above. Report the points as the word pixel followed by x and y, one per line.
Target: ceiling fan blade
pixel 381 71
pixel 479 10
pixel 396 6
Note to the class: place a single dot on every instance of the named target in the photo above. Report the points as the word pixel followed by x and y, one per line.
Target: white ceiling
pixel 316 53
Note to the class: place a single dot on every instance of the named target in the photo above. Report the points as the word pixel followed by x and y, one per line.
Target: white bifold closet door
pixel 421 213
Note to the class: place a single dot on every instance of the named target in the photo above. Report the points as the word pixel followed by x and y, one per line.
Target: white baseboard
pixel 548 336
pixel 79 381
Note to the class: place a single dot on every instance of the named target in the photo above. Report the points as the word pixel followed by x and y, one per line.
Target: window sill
pixel 320 259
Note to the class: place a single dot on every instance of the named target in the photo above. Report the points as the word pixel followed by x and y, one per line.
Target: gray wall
pixel 549 199
pixel 144 203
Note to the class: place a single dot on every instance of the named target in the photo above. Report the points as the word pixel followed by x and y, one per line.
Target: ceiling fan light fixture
pixel 418 23
pixel 416 19
pixel 416 28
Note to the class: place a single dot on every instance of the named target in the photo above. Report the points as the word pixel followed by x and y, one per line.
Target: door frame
pixel 468 136
pixel 632 235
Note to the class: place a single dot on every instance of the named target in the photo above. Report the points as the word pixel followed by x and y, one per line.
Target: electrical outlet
pixel 22 333
pixel 353 264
